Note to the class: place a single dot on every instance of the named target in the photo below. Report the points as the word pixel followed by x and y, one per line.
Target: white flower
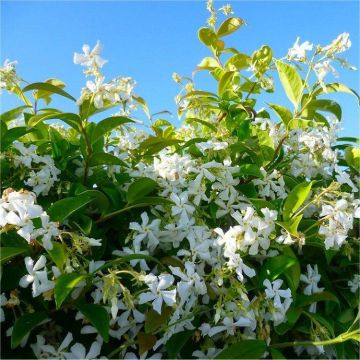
pixel 210 353
pixel 340 44
pixel 90 58
pixel 182 207
pixel 273 291
pixel 354 284
pixel 298 51
pixel 191 283
pixel 146 231
pixel 312 278
pixel 322 69
pixel 37 278
pixel 157 293
pixel 78 351
pixel 59 353
pixel 229 325
pixel 136 250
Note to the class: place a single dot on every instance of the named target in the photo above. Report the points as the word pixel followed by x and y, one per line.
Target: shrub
pixel 233 236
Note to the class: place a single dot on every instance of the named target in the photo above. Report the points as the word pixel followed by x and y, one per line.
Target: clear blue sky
pixel 148 40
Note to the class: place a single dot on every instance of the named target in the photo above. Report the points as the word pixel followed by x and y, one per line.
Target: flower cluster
pixel 232 235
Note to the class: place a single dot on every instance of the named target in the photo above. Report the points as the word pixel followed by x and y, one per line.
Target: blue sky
pixel 149 40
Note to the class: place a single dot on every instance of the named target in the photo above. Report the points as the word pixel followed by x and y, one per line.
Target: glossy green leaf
pixel 62 209
pixel 25 324
pixel 245 349
pixel 58 254
pixel 140 188
pixel 335 87
pixel 296 198
pixel 177 342
pixel 105 159
pixel 291 81
pixel 327 106
pixel 284 114
pixel 273 267
pixel 13 113
pixel 207 36
pixel 98 317
pixel 250 170
pixel 305 300
pixel 65 284
pixel 7 253
pixel 238 61
pixel 202 122
pixel 225 82
pixel 48 88
pixel 13 134
pixel 107 125
pixel 229 26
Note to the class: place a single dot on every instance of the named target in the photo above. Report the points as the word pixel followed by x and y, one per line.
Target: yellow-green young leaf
pixel 140 188
pixel 208 63
pixel 13 134
pixel 62 209
pixel 352 157
pixel 291 225
pixel 282 112
pixel 238 61
pixel 25 324
pixel 225 82
pixel 202 122
pixel 261 60
pixel 207 36
pixel 229 26
pixel 13 113
pixel 335 87
pixel 35 119
pixel 143 105
pixel 7 253
pixel 291 81
pixel 64 285
pixel 51 89
pixel 245 349
pixel 296 198
pixel 98 317
pixel 46 95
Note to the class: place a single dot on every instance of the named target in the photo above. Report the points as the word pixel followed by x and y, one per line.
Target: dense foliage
pixel 232 236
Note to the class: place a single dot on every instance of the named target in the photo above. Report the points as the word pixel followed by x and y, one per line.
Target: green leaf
pixel 282 112
pixel 140 188
pixel 317 318
pixel 35 119
pixel 143 105
pixel 107 125
pixel 13 113
pixel 250 169
pixel 202 122
pixel 13 134
pixel 48 88
pixel 153 320
pixel 207 36
pixel 146 342
pixel 293 272
pixel 225 82
pixel 239 61
pixel 246 349
pixel 229 26
pixel 58 254
pixel 291 225
pixel 64 284
pixel 276 354
pixel 349 139
pixel 177 342
pixel 291 81
pixel 335 87
pixel 62 209
pixel 98 317
pixel 296 198
pixel 25 324
pixel 304 300
pixel 208 63
pixel 99 198
pixel 105 159
pixel 352 157
pixel 7 253
pixel 326 105
pixel 272 268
